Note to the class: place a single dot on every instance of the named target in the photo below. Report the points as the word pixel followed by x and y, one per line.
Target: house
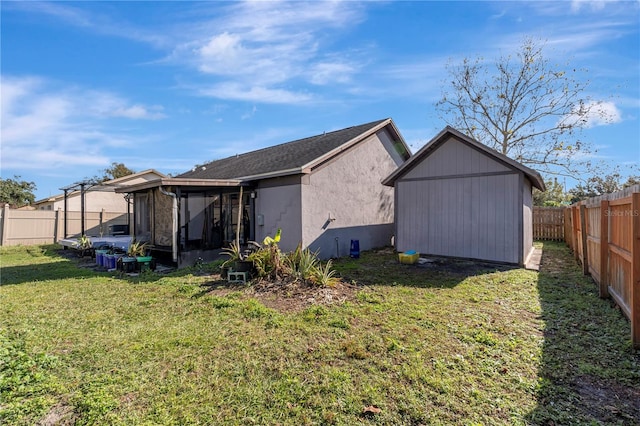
pixel 97 197
pixel 84 203
pixel 457 197
pixel 322 191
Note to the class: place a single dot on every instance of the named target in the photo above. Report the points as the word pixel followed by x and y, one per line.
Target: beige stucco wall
pixel 95 201
pixel 345 199
pixel 278 203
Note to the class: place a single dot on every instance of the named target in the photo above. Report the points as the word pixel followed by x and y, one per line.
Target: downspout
pixel 174 216
pixel 127 198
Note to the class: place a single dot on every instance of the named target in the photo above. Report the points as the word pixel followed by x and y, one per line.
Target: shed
pixel 456 197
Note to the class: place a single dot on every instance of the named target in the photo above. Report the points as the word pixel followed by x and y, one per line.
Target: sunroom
pixel 186 220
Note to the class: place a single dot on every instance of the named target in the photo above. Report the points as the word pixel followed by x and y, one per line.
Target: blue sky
pixel 167 85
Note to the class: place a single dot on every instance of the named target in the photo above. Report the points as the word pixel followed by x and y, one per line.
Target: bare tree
pixel 527 108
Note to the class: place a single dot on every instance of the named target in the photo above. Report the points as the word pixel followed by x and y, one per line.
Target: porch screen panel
pixel 230 203
pixel 142 221
pixel 213 222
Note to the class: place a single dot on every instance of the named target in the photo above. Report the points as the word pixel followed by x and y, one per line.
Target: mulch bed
pixel 286 296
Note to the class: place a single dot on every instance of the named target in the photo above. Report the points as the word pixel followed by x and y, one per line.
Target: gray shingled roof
pixel 286 156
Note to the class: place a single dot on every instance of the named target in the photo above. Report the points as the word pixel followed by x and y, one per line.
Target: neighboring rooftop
pixel 93 185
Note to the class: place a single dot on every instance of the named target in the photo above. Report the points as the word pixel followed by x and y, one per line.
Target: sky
pixel 168 85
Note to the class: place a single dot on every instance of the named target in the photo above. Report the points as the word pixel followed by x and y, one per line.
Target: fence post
pixel 583 234
pixel 56 216
pixel 5 225
pixel 567 226
pixel 59 225
pixel 604 249
pixel 634 304
pixel 575 220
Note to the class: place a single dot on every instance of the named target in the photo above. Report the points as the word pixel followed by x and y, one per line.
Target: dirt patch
pixel 608 402
pixel 461 266
pixel 290 296
pixel 59 415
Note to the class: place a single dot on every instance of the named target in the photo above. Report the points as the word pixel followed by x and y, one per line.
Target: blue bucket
pixel 100 257
pixel 355 249
pixel 108 259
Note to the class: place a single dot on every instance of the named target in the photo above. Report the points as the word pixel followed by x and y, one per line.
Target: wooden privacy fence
pixel 548 223
pixel 29 227
pixel 605 238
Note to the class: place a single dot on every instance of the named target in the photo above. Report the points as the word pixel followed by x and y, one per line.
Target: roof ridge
pixel 256 151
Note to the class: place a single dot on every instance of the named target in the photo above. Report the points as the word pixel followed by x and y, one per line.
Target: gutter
pixel 174 216
pixel 278 173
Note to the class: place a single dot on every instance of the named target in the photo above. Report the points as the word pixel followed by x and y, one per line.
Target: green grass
pixel 425 345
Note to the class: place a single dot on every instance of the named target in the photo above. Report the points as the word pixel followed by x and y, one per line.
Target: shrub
pixel 303 265
pixel 325 275
pixel 269 263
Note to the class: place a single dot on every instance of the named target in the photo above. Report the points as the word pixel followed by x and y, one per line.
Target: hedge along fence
pixel 30 227
pixel 605 238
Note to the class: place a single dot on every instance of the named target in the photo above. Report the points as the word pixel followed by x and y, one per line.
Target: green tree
pixel 631 180
pixel 117 170
pixel 554 196
pixel 16 192
pixel 599 185
pixel 526 108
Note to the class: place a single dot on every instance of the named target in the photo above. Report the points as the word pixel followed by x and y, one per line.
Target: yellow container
pixel 409 257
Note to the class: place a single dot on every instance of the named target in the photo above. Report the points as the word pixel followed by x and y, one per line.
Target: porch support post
pixel 66 205
pixel 82 209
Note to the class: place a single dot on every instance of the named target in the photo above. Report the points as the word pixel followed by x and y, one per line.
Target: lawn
pixel 446 343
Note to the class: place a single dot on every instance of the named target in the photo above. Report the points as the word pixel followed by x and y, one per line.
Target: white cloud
pixel 331 72
pixel 594 5
pixel 595 114
pixel 45 127
pixel 94 22
pixel 140 112
pixel 602 114
pixel 256 94
pixel 252 49
pixel 105 104
pixel 242 60
pixel 249 115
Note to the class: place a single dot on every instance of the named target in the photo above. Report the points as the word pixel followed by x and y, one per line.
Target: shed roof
pixel 533 176
pixel 297 156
